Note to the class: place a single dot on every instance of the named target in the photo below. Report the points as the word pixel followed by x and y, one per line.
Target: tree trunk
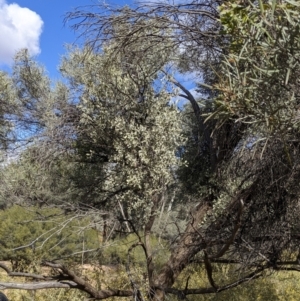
pixel 188 246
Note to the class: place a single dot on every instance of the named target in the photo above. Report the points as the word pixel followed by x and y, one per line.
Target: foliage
pixel 31 180
pixel 127 131
pixel 258 92
pixel 30 235
pixel 7 109
pixel 260 85
pixel 116 251
pixel 196 172
pixel 188 202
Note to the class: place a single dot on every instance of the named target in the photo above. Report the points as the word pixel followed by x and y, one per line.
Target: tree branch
pixel 38 285
pixel 211 290
pixel 85 286
pixel 234 232
pixel 21 274
pixel 209 270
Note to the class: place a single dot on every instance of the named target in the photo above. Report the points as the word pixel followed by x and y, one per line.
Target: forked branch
pixel 65 278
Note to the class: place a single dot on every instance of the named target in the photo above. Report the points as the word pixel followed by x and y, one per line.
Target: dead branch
pixel 21 274
pixel 234 232
pixel 38 285
pixel 83 285
pixel 209 270
pixel 211 290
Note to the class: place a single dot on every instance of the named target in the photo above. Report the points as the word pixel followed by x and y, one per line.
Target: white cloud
pixel 20 27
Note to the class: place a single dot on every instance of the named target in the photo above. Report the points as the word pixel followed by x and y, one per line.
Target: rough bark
pixel 188 246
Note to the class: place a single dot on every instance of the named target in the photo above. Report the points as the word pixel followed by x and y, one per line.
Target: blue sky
pixel 38 26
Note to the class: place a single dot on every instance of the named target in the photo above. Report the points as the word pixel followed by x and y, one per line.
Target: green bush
pixel 33 234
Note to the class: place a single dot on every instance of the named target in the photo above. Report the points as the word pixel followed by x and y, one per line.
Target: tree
pixel 122 135
pixel 8 107
pixel 133 133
